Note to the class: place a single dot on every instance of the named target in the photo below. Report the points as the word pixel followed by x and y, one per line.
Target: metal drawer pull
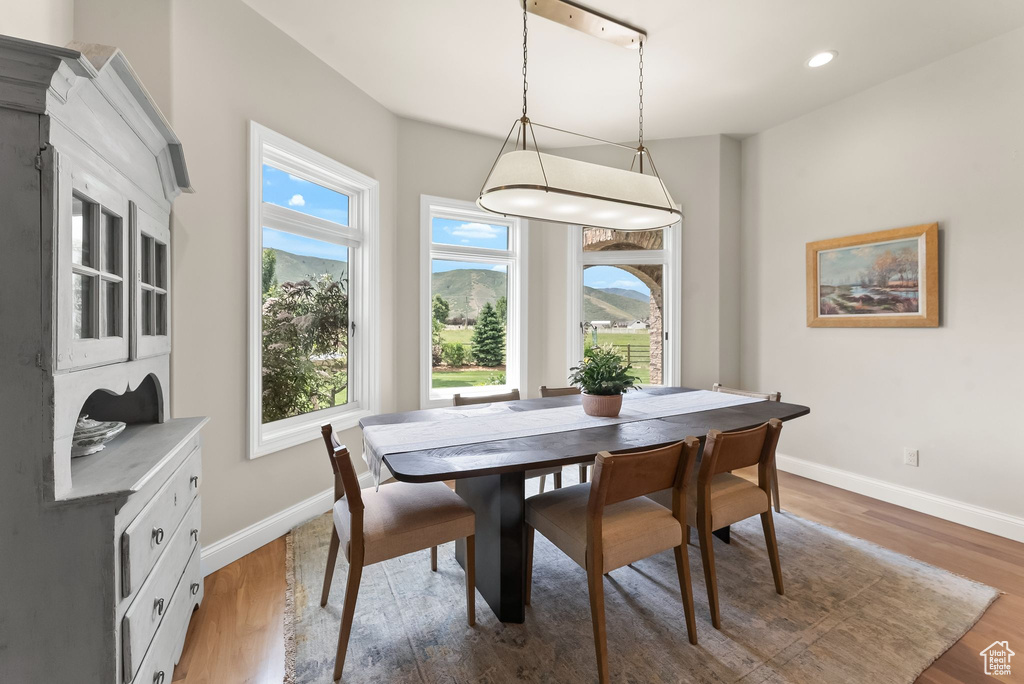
pixel 194 534
pixel 158 678
pixel 194 481
pixel 195 588
pixel 158 535
pixel 160 606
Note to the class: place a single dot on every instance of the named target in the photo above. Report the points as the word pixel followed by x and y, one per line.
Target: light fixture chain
pixel 641 95
pixel 525 84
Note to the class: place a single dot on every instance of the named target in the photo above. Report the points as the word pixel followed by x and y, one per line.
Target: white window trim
pixel 516 260
pixel 364 287
pixel 669 256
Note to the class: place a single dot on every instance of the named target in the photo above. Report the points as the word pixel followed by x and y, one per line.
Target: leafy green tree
pixel 269 270
pixel 436 328
pixel 441 308
pixel 305 347
pixel 501 306
pixel 489 338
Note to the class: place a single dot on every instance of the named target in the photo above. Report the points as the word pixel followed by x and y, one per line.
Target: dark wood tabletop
pixel 488 457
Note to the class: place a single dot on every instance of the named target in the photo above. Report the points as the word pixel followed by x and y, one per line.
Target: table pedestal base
pixel 498 501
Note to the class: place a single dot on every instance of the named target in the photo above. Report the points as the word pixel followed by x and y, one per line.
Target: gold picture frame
pixel 886 279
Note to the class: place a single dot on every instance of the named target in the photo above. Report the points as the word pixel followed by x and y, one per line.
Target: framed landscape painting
pixel 888 279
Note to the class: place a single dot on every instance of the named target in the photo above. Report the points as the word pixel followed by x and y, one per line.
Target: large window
pixel 624 293
pixel 312 333
pixel 472 299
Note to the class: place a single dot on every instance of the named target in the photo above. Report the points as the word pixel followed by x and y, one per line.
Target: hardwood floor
pixel 237 634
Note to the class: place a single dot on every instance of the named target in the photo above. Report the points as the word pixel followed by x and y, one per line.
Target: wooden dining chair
pixel 609 522
pixel 546 391
pixel 398 519
pixel 723 498
pixel 542 473
pixel 767 396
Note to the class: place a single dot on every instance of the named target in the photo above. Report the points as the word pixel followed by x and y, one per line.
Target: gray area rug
pixel 853 612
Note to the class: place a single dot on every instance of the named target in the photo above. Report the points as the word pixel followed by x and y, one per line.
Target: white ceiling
pixel 710 66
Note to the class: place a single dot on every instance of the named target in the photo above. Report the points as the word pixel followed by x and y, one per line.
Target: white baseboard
pixel 234 546
pixel 979 518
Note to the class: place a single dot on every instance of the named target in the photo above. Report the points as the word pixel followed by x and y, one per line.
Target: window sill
pixel 273 439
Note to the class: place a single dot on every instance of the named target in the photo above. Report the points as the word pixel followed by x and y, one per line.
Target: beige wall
pixel 944 143
pixel 44 21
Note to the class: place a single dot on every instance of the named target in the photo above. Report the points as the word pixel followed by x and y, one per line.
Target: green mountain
pixel 295 267
pixel 467 290
pixel 606 305
pixel 626 292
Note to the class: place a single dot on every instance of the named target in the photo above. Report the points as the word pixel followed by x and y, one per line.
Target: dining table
pixel 488 448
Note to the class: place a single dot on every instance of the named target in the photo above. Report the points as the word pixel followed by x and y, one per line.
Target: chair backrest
pixel 726 451
pixel 624 476
pixel 546 391
pixel 459 400
pixel 345 480
pixel 769 396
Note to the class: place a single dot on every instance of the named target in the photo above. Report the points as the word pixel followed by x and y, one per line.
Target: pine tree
pixel 489 338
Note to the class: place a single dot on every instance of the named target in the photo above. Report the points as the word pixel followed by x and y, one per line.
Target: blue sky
pixel 469 234
pixel 440 266
pixel 603 277
pixel 286 190
pixel 296 244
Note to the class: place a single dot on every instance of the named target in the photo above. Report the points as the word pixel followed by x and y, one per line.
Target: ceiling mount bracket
pixel 588 21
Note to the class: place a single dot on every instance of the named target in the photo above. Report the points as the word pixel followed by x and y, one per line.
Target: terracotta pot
pixel 602 405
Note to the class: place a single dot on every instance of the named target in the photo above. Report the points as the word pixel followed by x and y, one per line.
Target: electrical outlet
pixel 910 457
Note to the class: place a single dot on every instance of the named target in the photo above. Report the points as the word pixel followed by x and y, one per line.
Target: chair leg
pixel 355 571
pixel 542 478
pixel 558 480
pixel 595 583
pixel 686 588
pixel 471 579
pixel 775 488
pixel 332 560
pixel 433 559
pixel 773 549
pixel 583 474
pixel 529 563
pixel 707 556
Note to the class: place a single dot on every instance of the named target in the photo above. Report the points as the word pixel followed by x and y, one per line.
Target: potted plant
pixel 602 377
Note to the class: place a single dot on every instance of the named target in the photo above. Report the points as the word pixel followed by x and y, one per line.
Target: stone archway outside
pixel 652 276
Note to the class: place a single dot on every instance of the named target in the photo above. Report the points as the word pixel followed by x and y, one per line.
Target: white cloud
pixel 478 231
pixel 626 284
pixel 464 241
pixel 297 201
pixel 498 267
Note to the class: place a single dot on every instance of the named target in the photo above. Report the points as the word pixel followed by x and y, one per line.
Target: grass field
pixel 471 378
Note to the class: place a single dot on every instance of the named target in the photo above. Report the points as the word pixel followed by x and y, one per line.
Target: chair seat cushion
pixel 400 518
pixel 631 530
pixel 732 499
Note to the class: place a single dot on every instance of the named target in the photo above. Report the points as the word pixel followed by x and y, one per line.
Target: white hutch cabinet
pixel 99 555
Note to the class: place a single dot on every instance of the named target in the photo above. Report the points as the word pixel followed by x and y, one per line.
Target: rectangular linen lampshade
pixel 576 192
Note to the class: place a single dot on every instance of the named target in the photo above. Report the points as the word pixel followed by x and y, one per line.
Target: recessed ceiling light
pixel 821 59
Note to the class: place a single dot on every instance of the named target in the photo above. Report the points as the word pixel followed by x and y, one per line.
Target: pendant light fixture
pixel 532 184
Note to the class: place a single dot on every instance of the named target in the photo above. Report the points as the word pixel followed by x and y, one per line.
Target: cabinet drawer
pixel 152 602
pixel 148 535
pixel 158 665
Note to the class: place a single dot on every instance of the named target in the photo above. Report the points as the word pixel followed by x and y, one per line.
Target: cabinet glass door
pixel 92 313
pixel 152 259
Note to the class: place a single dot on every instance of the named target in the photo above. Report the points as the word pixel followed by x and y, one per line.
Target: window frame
pixel 515 260
pixel 669 257
pixel 361 237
